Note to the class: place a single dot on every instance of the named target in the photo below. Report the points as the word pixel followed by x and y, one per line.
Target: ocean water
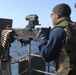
pixel 17 52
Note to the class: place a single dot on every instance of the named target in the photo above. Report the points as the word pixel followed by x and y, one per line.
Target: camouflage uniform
pixel 67 52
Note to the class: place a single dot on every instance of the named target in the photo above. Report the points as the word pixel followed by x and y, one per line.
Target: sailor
pixel 58 48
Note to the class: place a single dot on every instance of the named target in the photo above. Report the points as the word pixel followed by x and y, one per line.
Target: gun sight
pixel 32 17
pixel 33 21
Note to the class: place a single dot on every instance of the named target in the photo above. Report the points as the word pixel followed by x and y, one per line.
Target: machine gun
pixel 29 32
pixel 24 35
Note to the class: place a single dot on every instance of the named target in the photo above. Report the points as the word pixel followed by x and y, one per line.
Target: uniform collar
pixel 63 22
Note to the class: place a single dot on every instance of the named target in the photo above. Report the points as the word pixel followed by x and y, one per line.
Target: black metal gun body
pixel 29 34
pixel 26 34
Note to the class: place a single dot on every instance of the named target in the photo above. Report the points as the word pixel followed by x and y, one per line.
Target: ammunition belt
pixel 5 36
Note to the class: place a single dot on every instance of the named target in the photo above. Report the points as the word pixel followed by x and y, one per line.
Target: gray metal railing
pixel 29 62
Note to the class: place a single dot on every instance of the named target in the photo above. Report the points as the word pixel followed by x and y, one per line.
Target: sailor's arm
pixel 49 50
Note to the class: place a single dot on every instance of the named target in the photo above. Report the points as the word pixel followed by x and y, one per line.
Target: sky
pixel 17 10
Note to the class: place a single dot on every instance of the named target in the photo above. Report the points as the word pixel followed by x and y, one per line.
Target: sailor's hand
pixel 41 34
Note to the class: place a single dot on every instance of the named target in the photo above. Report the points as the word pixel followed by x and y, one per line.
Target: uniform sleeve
pixel 50 50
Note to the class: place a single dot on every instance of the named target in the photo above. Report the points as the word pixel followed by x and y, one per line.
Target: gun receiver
pixel 29 34
pixel 26 34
